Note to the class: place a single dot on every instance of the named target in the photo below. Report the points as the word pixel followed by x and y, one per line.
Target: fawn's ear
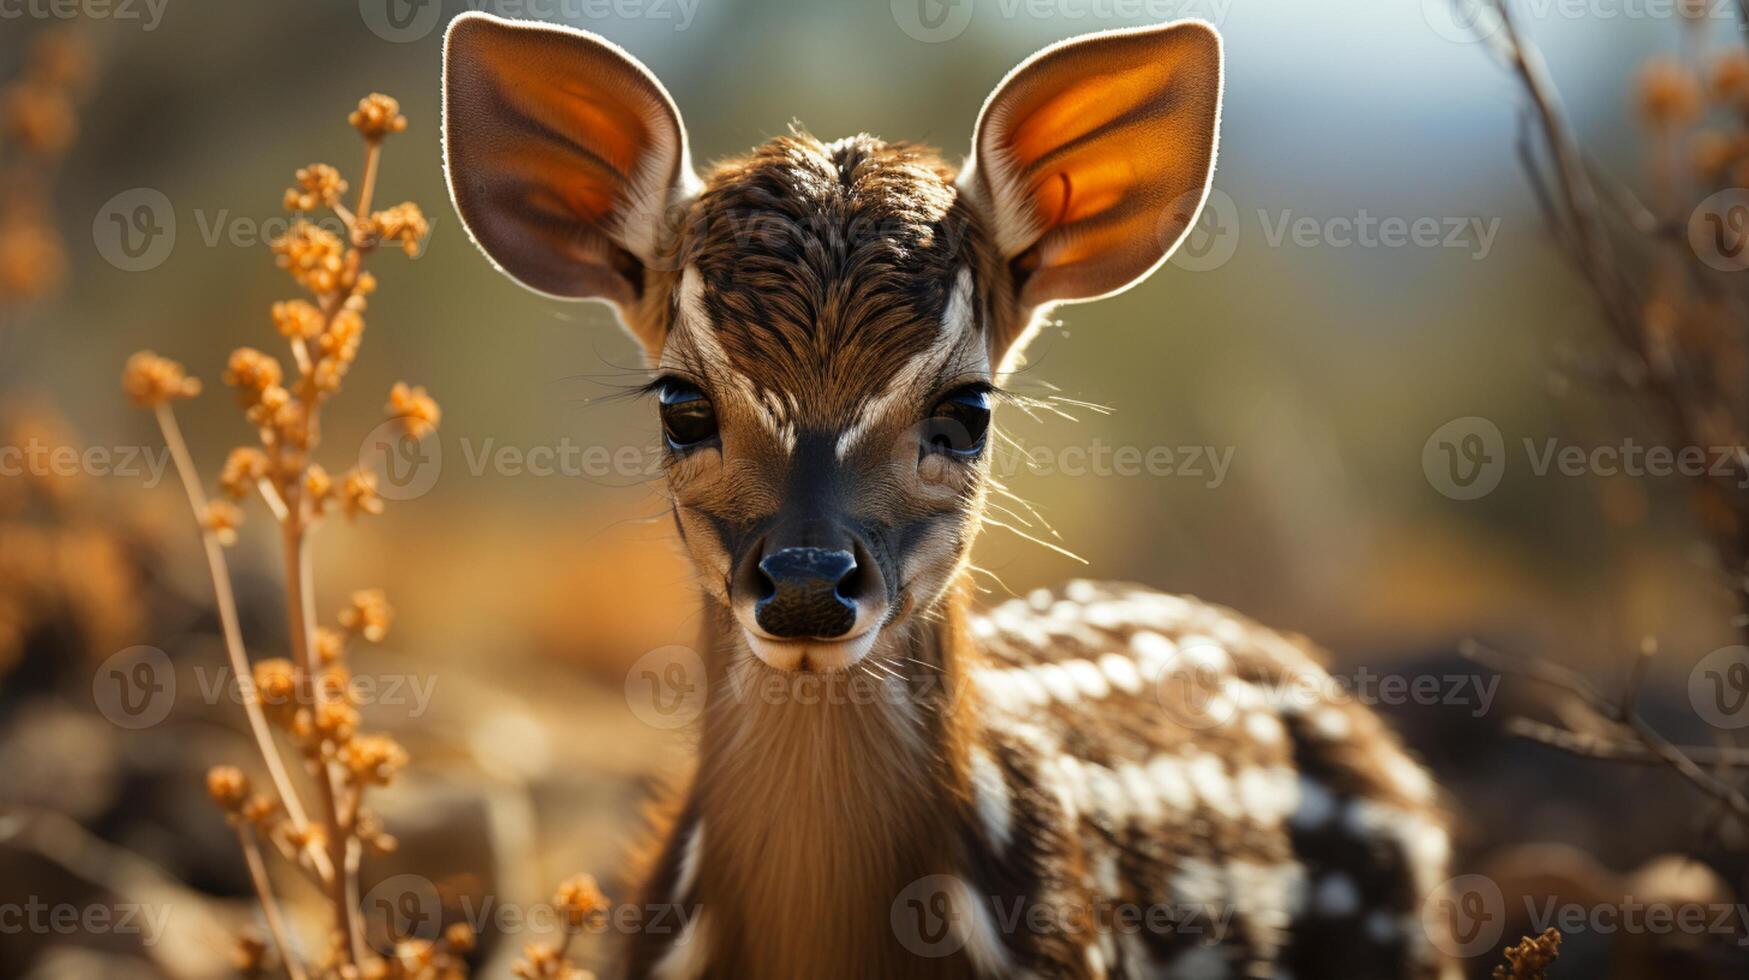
pixel 1093 157
pixel 564 155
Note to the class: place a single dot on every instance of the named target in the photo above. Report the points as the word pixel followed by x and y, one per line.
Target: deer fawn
pixel 1101 781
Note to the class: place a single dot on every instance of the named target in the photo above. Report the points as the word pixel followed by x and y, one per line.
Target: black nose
pixel 807 592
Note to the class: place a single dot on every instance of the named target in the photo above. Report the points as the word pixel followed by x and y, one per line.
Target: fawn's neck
pixel 821 796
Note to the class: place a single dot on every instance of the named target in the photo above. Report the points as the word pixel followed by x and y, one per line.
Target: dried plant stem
pixel 300 613
pixel 1619 749
pixel 1623 714
pixel 1576 210
pixel 367 186
pixel 269 905
pixel 233 633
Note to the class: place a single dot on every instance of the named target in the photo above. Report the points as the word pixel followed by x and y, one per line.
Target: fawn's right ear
pixel 564 155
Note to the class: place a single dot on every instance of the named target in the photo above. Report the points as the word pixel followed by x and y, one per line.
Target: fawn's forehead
pixel 823 274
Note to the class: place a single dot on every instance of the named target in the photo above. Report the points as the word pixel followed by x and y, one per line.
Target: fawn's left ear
pixel 1093 157
pixel 565 156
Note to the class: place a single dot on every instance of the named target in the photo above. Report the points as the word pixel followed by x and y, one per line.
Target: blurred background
pixel 1297 359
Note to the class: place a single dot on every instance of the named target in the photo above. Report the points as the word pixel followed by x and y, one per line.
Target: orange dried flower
pixel 242 469
pixel 1669 95
pixel 298 319
pixel 151 380
pixel 318 185
pixel 319 487
pixel 579 900
pixel 1531 958
pixel 39 117
pixel 459 937
pixel 338 346
pixel 1730 76
pixel 261 810
pixel 417 412
pixel 335 721
pixel 1713 151
pixel 358 494
pixel 227 786
pixel 369 615
pixel 60 58
pixel 222 519
pixel 276 687
pixel 330 645
pixel 415 956
pixel 252 371
pixel 404 223
pixel 313 255
pixel 32 261
pixel 377 116
pixel 250 956
pixel 372 759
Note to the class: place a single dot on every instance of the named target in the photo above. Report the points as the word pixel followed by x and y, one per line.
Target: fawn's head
pixel 827 321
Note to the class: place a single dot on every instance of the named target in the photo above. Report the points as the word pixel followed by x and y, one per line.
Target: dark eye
pixel 688 420
pixel 959 423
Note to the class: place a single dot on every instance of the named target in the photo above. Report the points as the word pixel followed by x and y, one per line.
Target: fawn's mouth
pixel 824 656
